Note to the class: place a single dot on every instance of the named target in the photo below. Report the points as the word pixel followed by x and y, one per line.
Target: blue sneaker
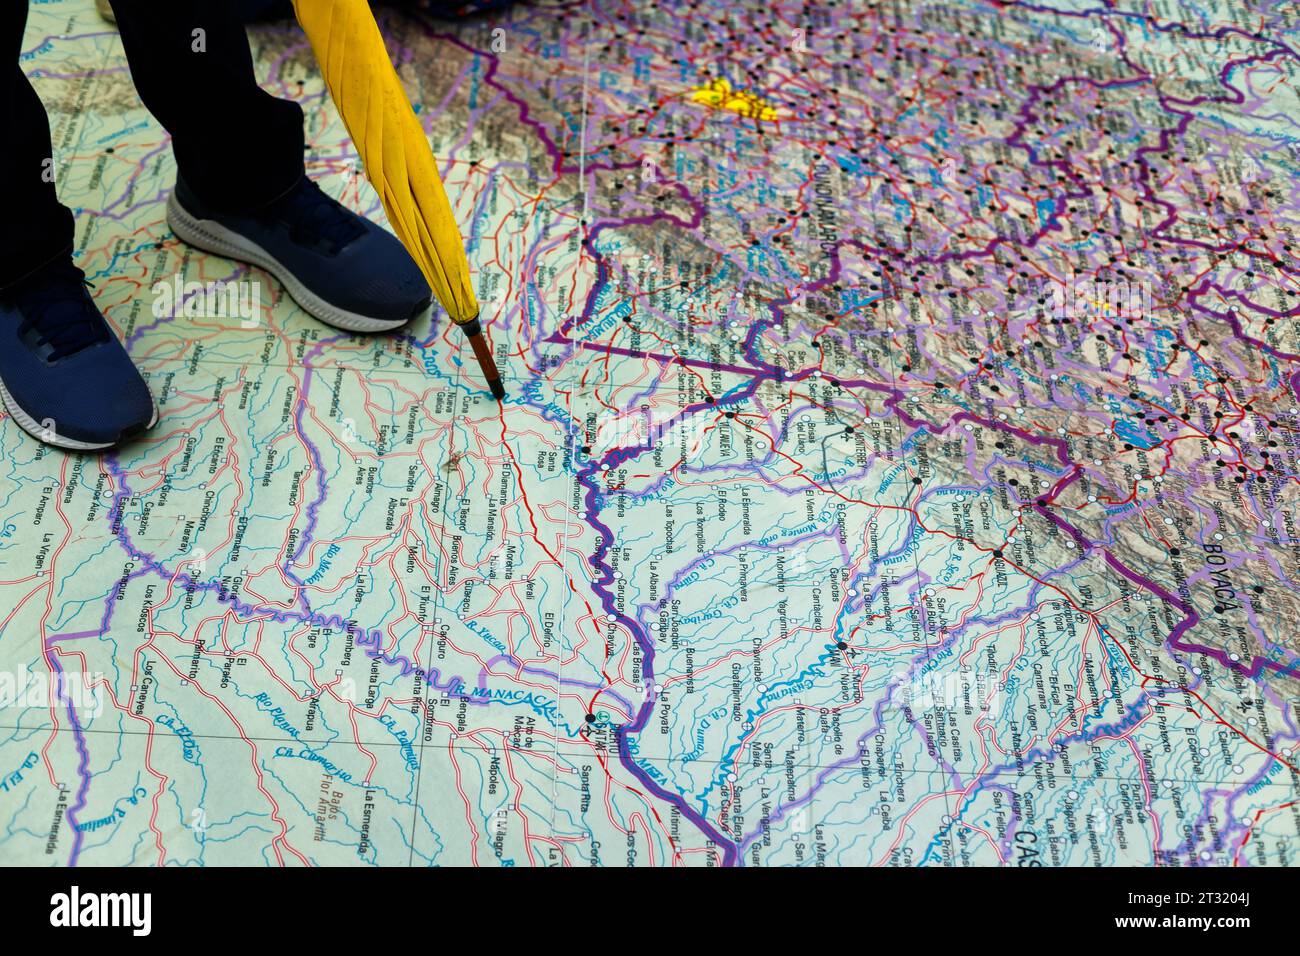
pixel 64 376
pixel 339 266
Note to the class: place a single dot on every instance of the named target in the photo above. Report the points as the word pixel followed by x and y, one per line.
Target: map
pixel 900 464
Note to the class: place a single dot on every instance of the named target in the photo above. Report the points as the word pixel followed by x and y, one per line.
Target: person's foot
pixel 338 266
pixel 64 376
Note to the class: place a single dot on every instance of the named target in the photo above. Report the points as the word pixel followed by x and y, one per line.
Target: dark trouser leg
pixel 236 146
pixel 34 227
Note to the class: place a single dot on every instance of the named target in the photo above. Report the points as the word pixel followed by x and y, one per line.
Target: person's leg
pixel 34 227
pixel 236 146
pixel 242 192
pixel 64 376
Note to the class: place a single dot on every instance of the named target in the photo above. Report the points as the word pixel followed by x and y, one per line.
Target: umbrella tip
pixel 474 331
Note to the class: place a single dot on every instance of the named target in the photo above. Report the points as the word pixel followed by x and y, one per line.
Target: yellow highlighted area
pixel 719 95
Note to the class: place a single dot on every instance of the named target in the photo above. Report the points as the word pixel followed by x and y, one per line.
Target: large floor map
pixel 899 465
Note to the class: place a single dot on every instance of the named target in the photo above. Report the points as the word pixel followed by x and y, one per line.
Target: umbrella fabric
pixel 397 156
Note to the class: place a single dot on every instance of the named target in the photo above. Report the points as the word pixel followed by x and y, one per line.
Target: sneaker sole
pixel 50 437
pixel 212 236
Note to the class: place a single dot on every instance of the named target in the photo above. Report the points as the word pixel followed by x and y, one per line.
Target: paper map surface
pixel 899 464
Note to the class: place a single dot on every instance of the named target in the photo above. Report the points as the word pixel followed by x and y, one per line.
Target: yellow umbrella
pixel 398 159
